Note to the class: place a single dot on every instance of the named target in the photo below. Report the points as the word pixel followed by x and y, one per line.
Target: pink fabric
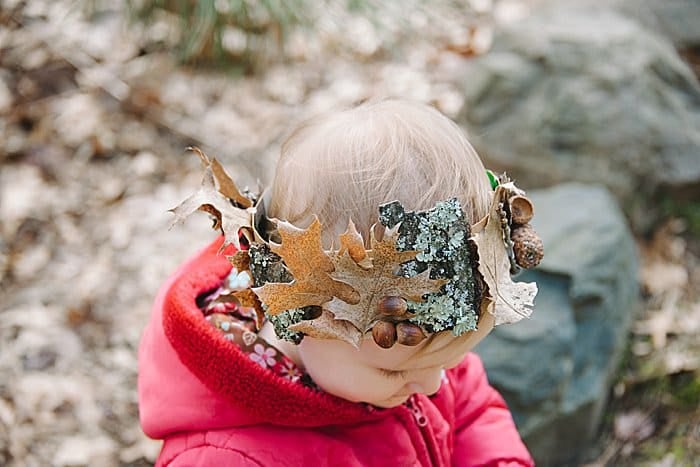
pixel 212 406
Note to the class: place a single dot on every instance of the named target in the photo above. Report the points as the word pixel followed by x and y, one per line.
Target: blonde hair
pixel 343 165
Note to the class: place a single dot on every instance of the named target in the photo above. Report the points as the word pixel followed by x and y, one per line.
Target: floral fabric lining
pixel 237 324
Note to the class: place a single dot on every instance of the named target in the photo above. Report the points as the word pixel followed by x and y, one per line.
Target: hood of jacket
pixel 191 378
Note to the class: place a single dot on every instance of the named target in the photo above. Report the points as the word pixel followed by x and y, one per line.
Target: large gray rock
pixel 577 93
pixel 679 20
pixel 555 369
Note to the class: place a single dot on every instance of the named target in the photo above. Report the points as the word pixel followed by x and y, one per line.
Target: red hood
pixel 191 378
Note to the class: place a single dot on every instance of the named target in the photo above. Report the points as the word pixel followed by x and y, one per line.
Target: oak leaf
pixel 351 241
pixel 511 301
pixel 310 266
pixel 377 282
pixel 247 298
pixel 327 326
pixel 216 196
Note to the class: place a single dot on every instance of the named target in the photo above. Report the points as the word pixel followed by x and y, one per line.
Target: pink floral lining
pixel 237 324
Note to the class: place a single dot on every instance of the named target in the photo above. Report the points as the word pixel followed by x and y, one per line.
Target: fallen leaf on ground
pixel 633 426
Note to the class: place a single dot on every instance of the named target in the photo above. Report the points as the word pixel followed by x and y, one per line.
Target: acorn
pixel 409 334
pixel 521 209
pixel 527 246
pixel 392 306
pixel 384 334
pixel 312 312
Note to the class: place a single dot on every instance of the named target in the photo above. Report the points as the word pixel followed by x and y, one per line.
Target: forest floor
pixel 95 116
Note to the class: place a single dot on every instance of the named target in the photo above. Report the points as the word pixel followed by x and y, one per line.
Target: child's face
pixel 385 377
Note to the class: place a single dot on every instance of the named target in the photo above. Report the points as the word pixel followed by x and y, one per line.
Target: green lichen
pixel 441 236
pixel 282 321
pixel 266 266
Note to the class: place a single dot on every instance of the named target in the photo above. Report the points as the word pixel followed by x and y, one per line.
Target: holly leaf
pixel 377 282
pixel 511 301
pixel 303 255
pixel 216 196
pixel 327 326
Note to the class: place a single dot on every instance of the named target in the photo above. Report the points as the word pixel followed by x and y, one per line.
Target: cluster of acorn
pixel 527 245
pixel 387 332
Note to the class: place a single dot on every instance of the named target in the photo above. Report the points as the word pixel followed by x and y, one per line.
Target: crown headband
pixel 425 272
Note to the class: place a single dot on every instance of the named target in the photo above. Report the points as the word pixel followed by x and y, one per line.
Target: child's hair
pixel 345 164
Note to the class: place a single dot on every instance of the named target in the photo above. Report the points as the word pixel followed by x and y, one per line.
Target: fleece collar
pixel 225 369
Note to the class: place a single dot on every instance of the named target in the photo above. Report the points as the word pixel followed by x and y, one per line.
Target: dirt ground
pixel 95 116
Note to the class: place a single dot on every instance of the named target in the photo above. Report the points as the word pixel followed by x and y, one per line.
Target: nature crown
pixel 425 272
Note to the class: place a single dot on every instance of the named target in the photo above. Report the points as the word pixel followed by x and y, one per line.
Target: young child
pixel 221 392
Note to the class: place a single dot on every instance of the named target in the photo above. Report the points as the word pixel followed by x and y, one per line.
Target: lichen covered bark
pixel 441 235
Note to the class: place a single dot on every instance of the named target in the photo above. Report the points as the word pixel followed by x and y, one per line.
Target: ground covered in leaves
pixel 95 116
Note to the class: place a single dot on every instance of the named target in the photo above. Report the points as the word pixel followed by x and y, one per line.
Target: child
pixel 221 392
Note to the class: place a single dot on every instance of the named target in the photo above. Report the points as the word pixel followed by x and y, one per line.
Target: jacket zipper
pixel 422 423
pixel 417 413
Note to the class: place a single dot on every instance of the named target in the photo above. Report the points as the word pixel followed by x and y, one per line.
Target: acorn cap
pixel 521 209
pixel 527 246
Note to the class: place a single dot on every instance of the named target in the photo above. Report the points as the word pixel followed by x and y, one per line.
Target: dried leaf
pixel 347 291
pixel 240 260
pixel 634 426
pixel 351 241
pixel 511 300
pixel 327 326
pixel 248 299
pixel 310 266
pixel 226 186
pixel 378 281
pixel 209 198
pixel 661 323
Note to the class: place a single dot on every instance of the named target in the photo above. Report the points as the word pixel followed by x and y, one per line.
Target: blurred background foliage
pixel 247 34
pixel 238 32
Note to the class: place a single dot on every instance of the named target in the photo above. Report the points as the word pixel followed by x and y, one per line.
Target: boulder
pixel 556 368
pixel 576 93
pixel 678 20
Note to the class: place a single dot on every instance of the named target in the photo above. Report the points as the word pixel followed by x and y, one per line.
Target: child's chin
pixel 391 402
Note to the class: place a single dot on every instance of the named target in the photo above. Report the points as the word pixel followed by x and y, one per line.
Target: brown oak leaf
pixel 351 241
pixel 511 301
pixel 215 196
pixel 377 282
pixel 327 326
pixel 248 299
pixel 240 260
pixel 310 266
pixel 225 184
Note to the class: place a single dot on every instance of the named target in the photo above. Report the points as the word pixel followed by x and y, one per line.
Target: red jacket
pixel 212 406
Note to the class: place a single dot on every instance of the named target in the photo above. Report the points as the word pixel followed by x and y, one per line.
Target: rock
pixel 555 369
pixel 575 93
pixel 676 19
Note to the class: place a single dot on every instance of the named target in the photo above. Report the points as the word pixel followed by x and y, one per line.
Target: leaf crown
pixel 425 272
